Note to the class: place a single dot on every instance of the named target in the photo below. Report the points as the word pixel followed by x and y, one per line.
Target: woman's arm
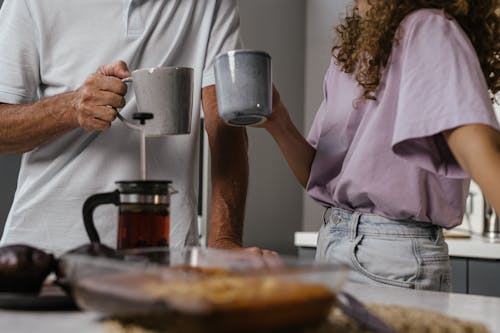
pixel 298 152
pixel 477 150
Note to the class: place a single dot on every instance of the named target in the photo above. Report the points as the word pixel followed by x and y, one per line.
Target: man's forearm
pixel 24 127
pixel 229 188
pixel 91 107
pixel 229 162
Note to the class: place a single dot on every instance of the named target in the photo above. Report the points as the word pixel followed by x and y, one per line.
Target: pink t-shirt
pixel 387 157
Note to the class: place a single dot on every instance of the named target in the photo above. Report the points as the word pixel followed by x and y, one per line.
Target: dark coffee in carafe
pixel 144 213
pixel 143 226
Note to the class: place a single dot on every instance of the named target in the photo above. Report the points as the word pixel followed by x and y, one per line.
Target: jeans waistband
pixel 362 223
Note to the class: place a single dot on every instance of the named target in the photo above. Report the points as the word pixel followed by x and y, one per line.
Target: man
pixel 73 148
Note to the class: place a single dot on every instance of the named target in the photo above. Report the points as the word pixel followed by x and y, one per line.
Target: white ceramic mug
pixel 167 94
pixel 244 87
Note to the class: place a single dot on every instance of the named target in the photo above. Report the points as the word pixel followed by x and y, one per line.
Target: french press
pixel 144 213
pixel 144 207
pixel 144 210
pixel 164 94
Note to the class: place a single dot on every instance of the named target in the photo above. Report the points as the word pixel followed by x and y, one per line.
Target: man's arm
pixel 24 127
pixel 229 162
pixel 477 150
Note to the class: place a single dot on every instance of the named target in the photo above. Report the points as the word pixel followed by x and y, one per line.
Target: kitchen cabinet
pixel 476 276
pixel 459 267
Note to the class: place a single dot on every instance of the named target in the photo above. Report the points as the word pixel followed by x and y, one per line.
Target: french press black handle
pixel 88 211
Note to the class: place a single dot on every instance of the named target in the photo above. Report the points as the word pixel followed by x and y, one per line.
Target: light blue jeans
pixel 380 251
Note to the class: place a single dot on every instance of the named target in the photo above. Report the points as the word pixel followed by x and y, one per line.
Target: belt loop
pixel 325 212
pixel 353 233
pixel 439 235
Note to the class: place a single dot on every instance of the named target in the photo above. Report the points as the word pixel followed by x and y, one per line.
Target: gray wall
pixel 322 17
pixel 274 205
pixel 9 168
pixel 299 36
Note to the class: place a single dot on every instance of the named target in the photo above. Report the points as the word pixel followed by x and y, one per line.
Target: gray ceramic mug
pixel 167 93
pixel 244 87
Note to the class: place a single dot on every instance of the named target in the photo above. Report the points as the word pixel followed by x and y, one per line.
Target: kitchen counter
pixel 474 247
pixel 466 307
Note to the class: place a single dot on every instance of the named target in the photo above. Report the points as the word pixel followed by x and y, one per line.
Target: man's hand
pixel 96 101
pixel 228 244
pixel 261 252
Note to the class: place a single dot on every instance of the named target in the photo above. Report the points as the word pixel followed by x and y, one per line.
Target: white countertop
pixel 466 307
pixel 474 247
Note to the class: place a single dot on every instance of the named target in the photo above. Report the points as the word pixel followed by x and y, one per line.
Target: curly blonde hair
pixel 364 45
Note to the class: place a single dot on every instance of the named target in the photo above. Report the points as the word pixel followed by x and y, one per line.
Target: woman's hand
pixel 279 116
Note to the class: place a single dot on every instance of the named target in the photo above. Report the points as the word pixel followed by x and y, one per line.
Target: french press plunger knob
pixel 142 117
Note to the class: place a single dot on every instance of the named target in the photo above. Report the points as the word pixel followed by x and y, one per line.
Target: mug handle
pixel 122 118
pixel 88 211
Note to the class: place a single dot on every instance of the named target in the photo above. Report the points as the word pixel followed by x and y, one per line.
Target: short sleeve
pixel 442 87
pixel 224 36
pixel 19 60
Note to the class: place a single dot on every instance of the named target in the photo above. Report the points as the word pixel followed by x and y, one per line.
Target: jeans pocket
pixel 388 261
pixel 330 244
pixel 436 267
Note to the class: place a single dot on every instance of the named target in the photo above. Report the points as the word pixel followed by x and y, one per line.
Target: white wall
pixel 322 16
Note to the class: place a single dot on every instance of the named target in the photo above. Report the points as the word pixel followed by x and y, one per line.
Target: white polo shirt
pixel 48 47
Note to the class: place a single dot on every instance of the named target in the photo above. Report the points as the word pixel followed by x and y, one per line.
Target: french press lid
pixel 145 191
pixel 145 187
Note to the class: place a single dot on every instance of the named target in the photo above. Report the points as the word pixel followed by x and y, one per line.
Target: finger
pixel 105 113
pixel 118 69
pixel 270 253
pixel 111 84
pixel 276 96
pixel 254 250
pixel 272 259
pixel 105 83
pixel 106 98
pixel 94 124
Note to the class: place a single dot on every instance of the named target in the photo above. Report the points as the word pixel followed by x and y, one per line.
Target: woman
pixel 407 118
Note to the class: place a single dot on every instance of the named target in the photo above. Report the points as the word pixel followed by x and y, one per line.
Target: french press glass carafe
pixel 144 213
